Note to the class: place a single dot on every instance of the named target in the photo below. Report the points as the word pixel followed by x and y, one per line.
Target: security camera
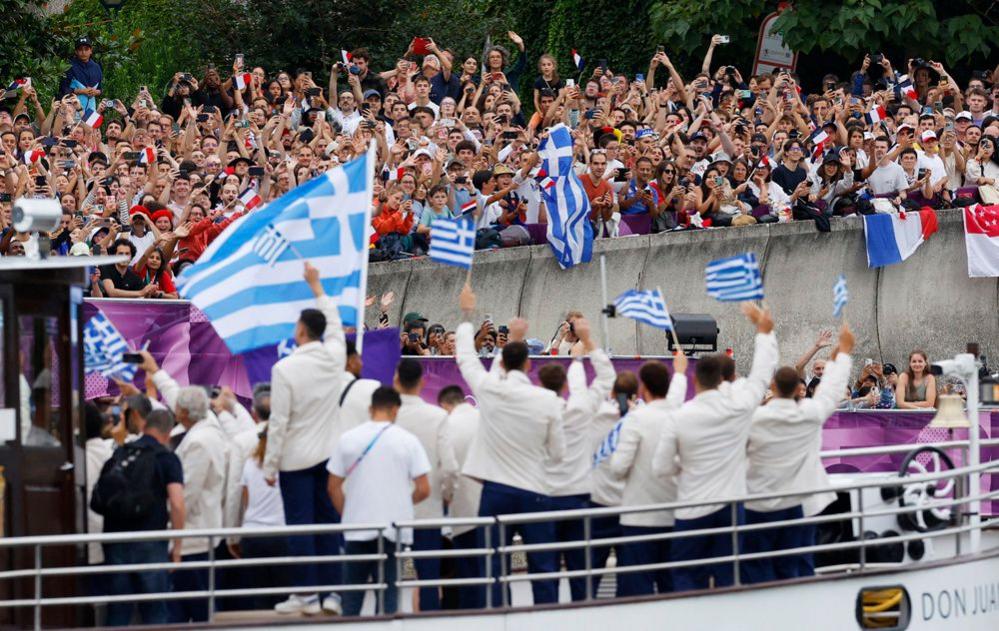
pixel 964 366
pixel 36 215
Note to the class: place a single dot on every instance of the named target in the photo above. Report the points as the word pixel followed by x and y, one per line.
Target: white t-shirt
pixel 379 488
pixel 934 163
pixel 264 507
pixel 887 178
pixel 430 104
pixel 141 243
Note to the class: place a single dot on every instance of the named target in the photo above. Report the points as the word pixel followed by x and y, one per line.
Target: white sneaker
pixel 308 605
pixel 331 605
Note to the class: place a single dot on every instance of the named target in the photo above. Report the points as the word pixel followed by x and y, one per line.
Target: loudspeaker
pixel 696 332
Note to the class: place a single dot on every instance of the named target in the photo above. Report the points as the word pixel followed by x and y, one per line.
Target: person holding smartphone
pixel 640 198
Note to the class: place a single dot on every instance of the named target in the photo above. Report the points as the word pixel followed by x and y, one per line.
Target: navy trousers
pixel 705 547
pixel 360 572
pixel 641 553
pixel 469 596
pixel 189 609
pixel 306 501
pixel 603 528
pixel 572 530
pixel 500 499
pixel 773 539
pixel 123 583
pixel 428 569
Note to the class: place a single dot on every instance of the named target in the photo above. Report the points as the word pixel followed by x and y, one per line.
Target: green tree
pixel 28 49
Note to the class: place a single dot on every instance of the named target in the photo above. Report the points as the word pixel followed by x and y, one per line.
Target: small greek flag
pixel 840 296
pixel 452 241
pixel 735 279
pixel 103 347
pixel 270 245
pixel 648 307
pixel 608 445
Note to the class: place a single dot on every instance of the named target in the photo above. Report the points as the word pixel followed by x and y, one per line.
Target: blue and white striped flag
pixel 608 445
pixel 735 279
pixel 103 347
pixel 254 300
pixel 570 234
pixel 452 241
pixel 841 295
pixel 648 307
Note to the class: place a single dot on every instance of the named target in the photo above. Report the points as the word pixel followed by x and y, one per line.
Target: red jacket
pixel 202 234
pixel 392 220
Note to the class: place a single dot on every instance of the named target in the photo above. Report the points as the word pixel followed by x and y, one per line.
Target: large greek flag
pixel 735 279
pixel 103 347
pixel 570 234
pixel 249 281
pixel 648 307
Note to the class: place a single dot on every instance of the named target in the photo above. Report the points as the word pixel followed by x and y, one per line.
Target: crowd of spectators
pixel 161 173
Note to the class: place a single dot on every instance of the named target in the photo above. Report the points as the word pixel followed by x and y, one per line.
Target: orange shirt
pixel 392 220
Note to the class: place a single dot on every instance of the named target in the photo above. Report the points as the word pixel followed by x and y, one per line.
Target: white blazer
pixel 606 488
pixel 521 424
pixel 784 443
pixel 210 474
pixel 633 457
pixel 463 425
pixel 703 444
pixel 356 406
pixel 571 476
pixel 304 397
pixel 429 424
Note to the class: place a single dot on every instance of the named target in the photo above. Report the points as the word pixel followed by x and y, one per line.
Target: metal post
pixel 398 567
pixel 974 483
pixel 38 587
pixel 587 534
pixel 489 567
pixel 380 593
pixel 735 543
pixel 860 529
pixel 504 596
pixel 603 290
pixel 211 578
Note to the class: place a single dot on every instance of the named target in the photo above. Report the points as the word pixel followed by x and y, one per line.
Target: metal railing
pixel 507 576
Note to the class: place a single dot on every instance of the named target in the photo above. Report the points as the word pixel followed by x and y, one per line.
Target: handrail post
pixel 211 579
pixel 398 568
pixel 735 543
pixel 38 587
pixel 504 596
pixel 587 535
pixel 489 566
pixel 380 593
pixel 860 529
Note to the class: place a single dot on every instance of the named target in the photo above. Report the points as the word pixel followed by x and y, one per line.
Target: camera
pixel 919 62
pixel 36 215
pixel 963 366
pixel 724 39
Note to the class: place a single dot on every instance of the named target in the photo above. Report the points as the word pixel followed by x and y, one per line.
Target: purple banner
pixel 187 347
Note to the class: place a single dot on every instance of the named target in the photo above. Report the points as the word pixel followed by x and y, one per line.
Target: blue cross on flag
pixel 103 347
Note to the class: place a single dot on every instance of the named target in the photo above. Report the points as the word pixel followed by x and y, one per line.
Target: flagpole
pixel 603 312
pixel 672 329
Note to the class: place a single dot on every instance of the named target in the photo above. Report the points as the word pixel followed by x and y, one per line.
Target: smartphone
pixel 201 118
pixel 719 180
pixel 497 76
pixel 570 83
pixel 510 135
pixel 255 171
pixel 209 109
pixel 660 49
pixel 131 358
pixel 108 103
pixel 67 164
pixel 504 329
pixel 68 142
pixel 603 65
pixel 313 91
pixel 461 179
pixel 132 155
pixel 4 197
pixel 724 39
pixel 239 60
pixel 447 122
pixel 414 338
pixel 621 174
pixel 40 180
pixel 639 77
pixel 920 174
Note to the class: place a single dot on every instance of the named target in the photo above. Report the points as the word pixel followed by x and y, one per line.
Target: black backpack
pixel 126 488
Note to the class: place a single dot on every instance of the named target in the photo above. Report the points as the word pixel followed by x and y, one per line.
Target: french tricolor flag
pixel 577 60
pixel 33 156
pixel 818 138
pixel 250 199
pixel 764 163
pixel 243 80
pixel 876 115
pixel 93 119
pixel 892 238
pixel 347 57
pixel 147 155
pixel 17 84
pixel 543 180
pixel 906 88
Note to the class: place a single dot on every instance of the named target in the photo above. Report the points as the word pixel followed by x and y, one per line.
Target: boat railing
pixel 962 522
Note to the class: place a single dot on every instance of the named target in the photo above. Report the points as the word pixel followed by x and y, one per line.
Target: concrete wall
pixel 927 302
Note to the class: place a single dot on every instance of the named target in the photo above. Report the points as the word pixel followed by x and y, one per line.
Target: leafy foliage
pixel 27 49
